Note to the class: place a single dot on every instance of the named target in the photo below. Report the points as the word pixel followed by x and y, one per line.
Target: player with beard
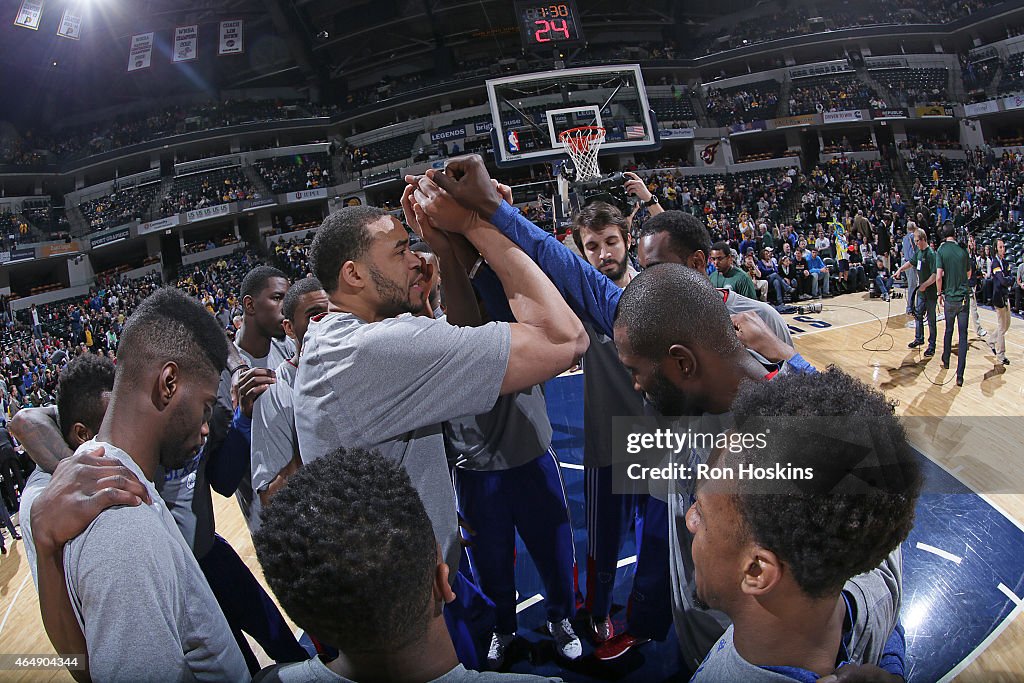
pixel 131 580
pixel 602 235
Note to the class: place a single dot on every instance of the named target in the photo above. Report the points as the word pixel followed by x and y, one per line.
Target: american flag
pixel 634 132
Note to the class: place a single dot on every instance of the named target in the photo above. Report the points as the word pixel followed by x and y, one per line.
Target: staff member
pixel 954 269
pixel 923 262
pixel 1000 302
pixel 908 251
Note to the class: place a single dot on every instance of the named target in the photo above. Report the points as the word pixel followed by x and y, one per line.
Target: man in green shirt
pixel 954 269
pixel 728 276
pixel 923 263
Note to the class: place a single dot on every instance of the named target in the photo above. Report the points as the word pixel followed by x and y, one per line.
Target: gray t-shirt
pixel 737 303
pixel 34 485
pixel 315 671
pixel 873 599
pixel 145 607
pixel 274 443
pixel 514 432
pixel 388 386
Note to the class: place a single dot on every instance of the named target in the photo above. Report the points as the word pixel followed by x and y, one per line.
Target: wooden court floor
pixel 867 338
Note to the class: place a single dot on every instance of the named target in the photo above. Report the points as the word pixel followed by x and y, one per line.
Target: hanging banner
pixel 676 133
pixel 448 133
pixel 231 38
pixel 141 53
pixel 109 238
pixel 23 254
pixel 70 25
pixel 933 110
pixel 877 114
pixel 29 15
pixel 48 250
pixel 988 107
pixel 748 127
pixel 1013 102
pixel 794 121
pixel 207 212
pixel 186 43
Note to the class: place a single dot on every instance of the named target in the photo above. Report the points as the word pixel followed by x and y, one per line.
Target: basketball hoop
pixel 582 144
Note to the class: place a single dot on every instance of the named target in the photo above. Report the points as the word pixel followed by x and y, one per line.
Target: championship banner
pixel 231 38
pixel 1014 102
pixel 305 195
pixel 851 116
pixel 109 238
pixel 207 212
pixel 796 121
pixel 70 25
pixel 141 53
pixel 48 250
pixel 186 43
pixel 889 114
pixel 933 110
pixel 160 224
pixel 30 14
pixel 448 133
pixel 989 107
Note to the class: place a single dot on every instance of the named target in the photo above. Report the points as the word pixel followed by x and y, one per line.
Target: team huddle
pixel 384 428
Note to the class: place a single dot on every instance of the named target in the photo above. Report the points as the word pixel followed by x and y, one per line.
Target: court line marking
pixel 940 552
pixel 571 466
pixel 956 470
pixel 13 600
pixel 529 602
pixel 1010 594
pixel 625 562
pixel 969 659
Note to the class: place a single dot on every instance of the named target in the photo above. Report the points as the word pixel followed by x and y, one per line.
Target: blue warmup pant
pixel 529 499
pixel 248 608
pixel 609 515
pixel 470 620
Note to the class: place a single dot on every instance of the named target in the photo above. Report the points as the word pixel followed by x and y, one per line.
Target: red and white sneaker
pixel 601 630
pixel 618 646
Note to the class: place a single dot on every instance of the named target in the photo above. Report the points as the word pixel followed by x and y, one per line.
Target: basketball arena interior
pixel 850 173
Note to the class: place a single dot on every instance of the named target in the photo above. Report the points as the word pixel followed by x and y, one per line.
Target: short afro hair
pixel 686 234
pixel 858 507
pixel 597 216
pixel 349 551
pixel 723 247
pixel 306 285
pixel 255 281
pixel 342 237
pixel 169 326
pixel 80 387
pixel 671 304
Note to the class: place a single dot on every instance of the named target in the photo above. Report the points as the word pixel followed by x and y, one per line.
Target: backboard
pixel 530 111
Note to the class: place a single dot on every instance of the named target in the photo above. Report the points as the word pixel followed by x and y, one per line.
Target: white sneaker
pixel 982 332
pixel 566 641
pixel 602 630
pixel 496 652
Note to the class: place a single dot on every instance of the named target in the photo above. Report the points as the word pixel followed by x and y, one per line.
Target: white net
pixel 582 144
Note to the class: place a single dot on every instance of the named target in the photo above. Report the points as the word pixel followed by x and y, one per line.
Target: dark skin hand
pixel 251 384
pixel 83 486
pixel 466 179
pixel 861 673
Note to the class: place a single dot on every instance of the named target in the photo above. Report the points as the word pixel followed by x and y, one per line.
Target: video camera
pixel 604 189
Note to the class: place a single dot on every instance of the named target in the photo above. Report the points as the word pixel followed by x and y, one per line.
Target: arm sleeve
pixel 894 656
pixel 491 291
pixel 437 372
pixel 587 290
pixel 226 467
pixel 129 600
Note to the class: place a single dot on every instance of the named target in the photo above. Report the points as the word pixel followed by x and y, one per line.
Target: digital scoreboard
pixel 548 25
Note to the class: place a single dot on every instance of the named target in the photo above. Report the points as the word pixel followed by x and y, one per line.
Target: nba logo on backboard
pixel 513 142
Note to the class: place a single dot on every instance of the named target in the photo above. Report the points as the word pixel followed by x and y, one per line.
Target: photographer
pixel 635 186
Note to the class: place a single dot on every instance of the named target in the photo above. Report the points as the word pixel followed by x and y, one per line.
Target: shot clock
pixel 548 24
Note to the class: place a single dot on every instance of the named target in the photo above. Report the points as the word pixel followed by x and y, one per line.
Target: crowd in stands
pixel 744 103
pixel 292 256
pixel 291 174
pixel 197 191
pixel 120 207
pixel 835 92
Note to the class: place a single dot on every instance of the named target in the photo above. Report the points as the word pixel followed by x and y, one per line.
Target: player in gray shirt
pixel 808 569
pixel 275 447
pixel 349 550
pixel 140 598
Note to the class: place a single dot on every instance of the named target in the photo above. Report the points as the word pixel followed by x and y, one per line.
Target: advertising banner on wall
pixel 989 107
pixel 305 195
pixel 676 133
pixel 48 250
pixel 109 238
pixel 851 116
pixel 889 114
pixel 933 110
pixel 794 121
pixel 1014 102
pixel 448 133
pixel 207 212
pixel 160 224
pixel 23 254
pixel 748 127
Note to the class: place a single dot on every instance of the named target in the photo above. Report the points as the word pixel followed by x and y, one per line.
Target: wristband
pixel 240 366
